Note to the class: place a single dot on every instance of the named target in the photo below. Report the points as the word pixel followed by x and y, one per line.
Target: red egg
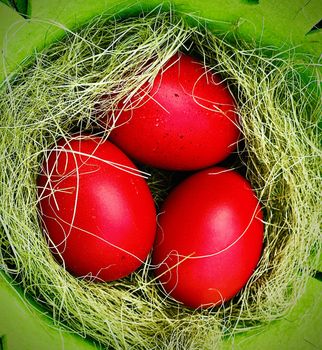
pixel 97 213
pixel 209 238
pixel 187 120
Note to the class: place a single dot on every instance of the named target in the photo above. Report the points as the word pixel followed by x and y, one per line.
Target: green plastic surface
pixel 282 24
pixel 24 326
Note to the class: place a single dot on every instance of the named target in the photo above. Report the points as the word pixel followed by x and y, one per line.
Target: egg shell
pixel 209 238
pixel 99 219
pixel 186 121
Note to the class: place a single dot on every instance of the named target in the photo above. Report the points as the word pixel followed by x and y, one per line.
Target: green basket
pixel 282 24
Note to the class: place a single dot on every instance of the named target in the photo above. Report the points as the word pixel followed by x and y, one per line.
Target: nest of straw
pixel 57 94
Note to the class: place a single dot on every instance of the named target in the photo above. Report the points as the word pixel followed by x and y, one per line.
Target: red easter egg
pixel 209 238
pixel 97 213
pixel 188 119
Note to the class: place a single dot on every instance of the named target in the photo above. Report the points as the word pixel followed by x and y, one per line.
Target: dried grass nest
pixel 57 92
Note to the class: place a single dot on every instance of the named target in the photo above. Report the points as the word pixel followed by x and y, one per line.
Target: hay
pixel 58 93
